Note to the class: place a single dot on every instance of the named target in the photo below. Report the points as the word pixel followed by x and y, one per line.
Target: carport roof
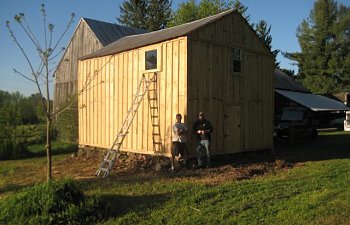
pixel 314 102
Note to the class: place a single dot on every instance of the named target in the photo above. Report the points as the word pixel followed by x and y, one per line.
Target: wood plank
pixel 168 93
pixel 134 88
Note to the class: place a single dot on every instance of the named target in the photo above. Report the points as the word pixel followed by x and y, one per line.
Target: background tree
pixel 133 13
pixel 47 51
pixel 150 15
pixel 190 11
pixel 324 39
pixel 264 32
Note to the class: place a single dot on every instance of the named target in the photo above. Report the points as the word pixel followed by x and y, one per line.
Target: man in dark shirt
pixel 202 129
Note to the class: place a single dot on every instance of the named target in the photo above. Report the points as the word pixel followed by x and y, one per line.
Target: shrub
pixel 67 126
pixel 57 202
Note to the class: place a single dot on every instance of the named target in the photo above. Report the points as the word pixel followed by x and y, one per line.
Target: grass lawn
pixel 315 190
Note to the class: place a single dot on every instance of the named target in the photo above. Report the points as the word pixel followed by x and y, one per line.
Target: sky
pixel 284 16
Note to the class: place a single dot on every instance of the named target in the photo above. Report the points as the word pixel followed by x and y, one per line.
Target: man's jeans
pixel 203 151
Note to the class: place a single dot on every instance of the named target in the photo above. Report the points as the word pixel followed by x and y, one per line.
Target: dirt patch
pixel 131 166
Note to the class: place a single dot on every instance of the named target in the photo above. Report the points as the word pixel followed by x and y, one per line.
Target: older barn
pixel 89 36
pixel 217 65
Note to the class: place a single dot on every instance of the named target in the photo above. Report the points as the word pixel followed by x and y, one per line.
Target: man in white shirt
pixel 178 145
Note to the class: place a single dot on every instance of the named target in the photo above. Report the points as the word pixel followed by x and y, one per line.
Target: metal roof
pixel 106 33
pixel 285 82
pixel 314 102
pixel 136 41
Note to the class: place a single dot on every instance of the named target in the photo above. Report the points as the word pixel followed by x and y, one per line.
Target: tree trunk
pixel 48 149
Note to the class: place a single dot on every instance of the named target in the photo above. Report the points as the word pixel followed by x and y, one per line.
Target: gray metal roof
pixel 285 82
pixel 314 102
pixel 106 33
pixel 136 41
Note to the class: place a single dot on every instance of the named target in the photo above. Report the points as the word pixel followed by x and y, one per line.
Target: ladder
pixel 154 113
pixel 111 155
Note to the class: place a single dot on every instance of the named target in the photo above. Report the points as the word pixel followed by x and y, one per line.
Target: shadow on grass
pixel 118 205
pixel 323 147
pixel 12 188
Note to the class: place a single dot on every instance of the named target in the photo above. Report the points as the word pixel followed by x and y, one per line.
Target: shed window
pixel 236 59
pixel 151 60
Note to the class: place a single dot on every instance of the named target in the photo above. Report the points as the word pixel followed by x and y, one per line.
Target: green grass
pixel 56 148
pixel 315 191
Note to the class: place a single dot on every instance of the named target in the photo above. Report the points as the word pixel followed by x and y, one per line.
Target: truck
pixel 347 121
pixel 295 122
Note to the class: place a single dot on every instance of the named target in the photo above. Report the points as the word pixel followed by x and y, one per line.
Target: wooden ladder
pixel 154 112
pixel 109 159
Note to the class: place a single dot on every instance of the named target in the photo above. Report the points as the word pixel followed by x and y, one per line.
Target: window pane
pixel 151 60
pixel 236 53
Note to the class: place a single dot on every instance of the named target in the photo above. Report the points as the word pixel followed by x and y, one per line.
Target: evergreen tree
pixel 145 14
pixel 133 13
pixel 324 40
pixel 264 33
pixel 158 14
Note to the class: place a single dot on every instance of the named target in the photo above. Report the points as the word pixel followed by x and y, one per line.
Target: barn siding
pixel 214 88
pixel 83 42
pixel 105 102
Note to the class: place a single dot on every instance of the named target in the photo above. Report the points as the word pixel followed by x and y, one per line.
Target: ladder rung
pixel 152 98
pixel 104 169
pixel 155 125
pixel 157 143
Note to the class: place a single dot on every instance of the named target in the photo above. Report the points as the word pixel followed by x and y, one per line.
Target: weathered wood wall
pixel 113 81
pixel 239 104
pixel 82 43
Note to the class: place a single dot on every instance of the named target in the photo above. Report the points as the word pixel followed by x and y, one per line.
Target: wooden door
pixel 232 129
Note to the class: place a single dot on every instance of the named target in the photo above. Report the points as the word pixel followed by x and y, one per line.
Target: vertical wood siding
pixel 82 43
pixel 114 80
pixel 239 105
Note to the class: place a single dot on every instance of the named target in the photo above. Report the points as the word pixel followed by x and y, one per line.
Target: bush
pixel 67 126
pixel 57 202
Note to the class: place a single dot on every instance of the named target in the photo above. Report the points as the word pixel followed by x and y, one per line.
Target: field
pixel 304 183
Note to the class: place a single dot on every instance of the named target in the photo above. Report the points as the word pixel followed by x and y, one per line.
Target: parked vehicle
pixel 295 122
pixel 347 121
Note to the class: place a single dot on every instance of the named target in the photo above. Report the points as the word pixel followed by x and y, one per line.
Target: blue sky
pixel 284 16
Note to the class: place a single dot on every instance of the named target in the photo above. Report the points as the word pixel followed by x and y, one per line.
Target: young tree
pixel 145 14
pixel 324 39
pixel 47 51
pixel 264 33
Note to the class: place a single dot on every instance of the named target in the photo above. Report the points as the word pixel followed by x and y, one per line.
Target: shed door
pixel 232 129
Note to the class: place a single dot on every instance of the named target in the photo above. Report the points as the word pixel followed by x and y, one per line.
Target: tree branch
pixel 65 31
pixel 21 74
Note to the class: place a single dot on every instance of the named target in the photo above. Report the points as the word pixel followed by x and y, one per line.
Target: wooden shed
pixel 217 65
pixel 89 36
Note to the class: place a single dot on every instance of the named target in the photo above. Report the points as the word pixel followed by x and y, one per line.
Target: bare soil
pixel 136 166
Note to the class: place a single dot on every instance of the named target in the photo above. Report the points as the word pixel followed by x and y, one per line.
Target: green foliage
pixel 57 202
pixel 133 13
pixel 324 39
pixel 149 15
pixel 67 125
pixel 264 33
pixel 190 11
pixel 12 145
pixel 30 108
